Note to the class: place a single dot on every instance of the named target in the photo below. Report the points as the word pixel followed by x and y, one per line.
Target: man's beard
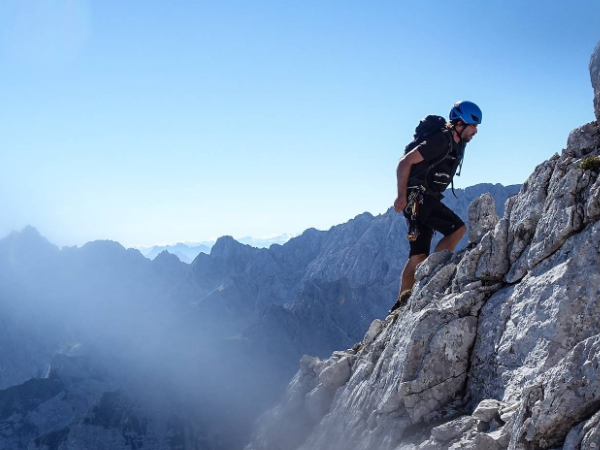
pixel 466 138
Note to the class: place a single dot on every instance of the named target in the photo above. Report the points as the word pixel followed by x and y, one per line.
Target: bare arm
pixel 402 173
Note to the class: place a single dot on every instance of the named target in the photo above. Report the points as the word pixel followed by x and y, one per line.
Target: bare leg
pixel 451 241
pixel 407 280
pixel 408 274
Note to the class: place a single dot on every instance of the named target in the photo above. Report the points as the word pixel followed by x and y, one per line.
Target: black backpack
pixel 429 126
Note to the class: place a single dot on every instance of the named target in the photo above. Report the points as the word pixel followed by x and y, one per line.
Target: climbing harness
pixel 415 198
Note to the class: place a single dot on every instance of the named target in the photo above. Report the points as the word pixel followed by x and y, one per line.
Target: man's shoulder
pixel 435 144
pixel 442 137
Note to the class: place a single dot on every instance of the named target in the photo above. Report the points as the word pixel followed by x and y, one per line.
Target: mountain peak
pixel 166 257
pixel 225 246
pixel 103 245
pixel 31 239
pixel 30 231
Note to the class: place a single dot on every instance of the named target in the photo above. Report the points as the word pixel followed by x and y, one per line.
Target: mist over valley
pixel 100 343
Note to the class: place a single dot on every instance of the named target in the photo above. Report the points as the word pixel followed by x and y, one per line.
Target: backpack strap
pixel 434 163
pixel 459 166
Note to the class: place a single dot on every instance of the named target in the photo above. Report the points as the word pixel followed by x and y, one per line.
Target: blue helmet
pixel 468 112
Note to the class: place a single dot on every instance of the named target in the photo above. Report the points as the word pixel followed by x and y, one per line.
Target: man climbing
pixel 427 168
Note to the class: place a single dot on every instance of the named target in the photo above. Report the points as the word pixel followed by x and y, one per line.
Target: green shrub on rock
pixel 591 163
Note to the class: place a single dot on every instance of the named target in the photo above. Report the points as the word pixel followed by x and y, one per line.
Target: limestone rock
pixel 309 365
pixel 520 267
pixel 583 140
pixel 493 262
pixel 318 402
pixel 431 444
pixel 374 330
pixel 336 375
pixel 443 370
pixel 528 208
pixel 508 412
pixel 482 217
pixel 479 441
pixel 487 410
pixel 595 76
pixel 431 264
pixel 501 437
pixel 515 343
pixel 585 436
pixel 466 268
pixel 563 214
pixel 488 261
pixel 453 429
pixel 571 391
pixel 592 206
pixel 431 289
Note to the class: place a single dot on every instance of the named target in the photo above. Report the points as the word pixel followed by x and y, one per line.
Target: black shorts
pixel 433 216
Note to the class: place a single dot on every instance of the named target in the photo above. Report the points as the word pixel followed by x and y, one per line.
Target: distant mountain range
pixel 187 252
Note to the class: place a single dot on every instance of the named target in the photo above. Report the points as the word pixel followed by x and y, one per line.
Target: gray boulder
pixel 336 375
pixel 453 429
pixel 487 410
pixel 583 140
pixel 482 217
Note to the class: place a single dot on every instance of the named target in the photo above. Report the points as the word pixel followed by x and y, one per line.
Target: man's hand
pixel 402 174
pixel 400 203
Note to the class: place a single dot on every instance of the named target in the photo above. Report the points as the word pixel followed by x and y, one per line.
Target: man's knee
pixel 460 232
pixel 417 259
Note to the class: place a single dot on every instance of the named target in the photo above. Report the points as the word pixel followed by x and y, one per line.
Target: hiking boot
pixel 402 299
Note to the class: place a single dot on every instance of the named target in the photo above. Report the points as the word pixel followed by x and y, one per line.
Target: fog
pixel 207 346
pixel 124 315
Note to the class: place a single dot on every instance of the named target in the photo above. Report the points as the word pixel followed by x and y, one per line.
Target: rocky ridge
pixel 497 347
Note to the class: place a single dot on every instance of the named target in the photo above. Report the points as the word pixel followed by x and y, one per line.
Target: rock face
pixel 498 345
pixel 595 76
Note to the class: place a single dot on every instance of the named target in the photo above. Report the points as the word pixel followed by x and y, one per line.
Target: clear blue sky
pixel 152 121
